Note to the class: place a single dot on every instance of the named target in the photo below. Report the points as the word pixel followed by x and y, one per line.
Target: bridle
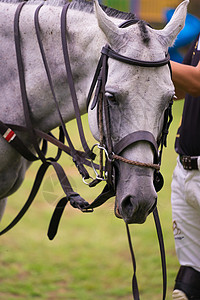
pixel 113 153
pixel 100 100
pixel 107 171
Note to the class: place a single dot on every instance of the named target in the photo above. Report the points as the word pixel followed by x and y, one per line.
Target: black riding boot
pixel 188 281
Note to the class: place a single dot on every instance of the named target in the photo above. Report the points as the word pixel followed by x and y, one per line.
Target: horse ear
pixel 175 25
pixel 109 28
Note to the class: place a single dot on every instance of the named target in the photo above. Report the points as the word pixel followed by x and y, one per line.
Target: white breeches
pixel 186 215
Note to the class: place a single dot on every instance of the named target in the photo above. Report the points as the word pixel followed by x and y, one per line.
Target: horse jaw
pixel 135 192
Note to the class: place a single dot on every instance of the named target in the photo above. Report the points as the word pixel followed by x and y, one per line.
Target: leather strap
pixel 37 183
pixel 23 84
pixel 71 81
pixel 106 194
pixel 75 200
pixel 94 81
pixel 134 62
pixel 73 152
pixel 135 289
pixel 128 23
pixel 189 162
pixel 10 136
pixel 162 250
pixel 134 137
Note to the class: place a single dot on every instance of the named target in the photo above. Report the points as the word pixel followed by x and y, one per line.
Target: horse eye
pixel 110 96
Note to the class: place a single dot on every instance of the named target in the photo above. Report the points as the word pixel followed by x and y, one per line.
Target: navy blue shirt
pixel 188 135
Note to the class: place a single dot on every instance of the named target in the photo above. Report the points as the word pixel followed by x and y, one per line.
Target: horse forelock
pixel 144 31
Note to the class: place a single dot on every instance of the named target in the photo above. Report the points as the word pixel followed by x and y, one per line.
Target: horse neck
pixel 84 43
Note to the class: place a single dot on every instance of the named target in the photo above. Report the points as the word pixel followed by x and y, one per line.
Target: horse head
pixel 137 97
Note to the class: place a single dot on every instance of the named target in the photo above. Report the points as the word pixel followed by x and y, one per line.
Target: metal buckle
pixel 104 149
pixel 87 210
pixel 92 164
pixel 87 183
pixel 97 176
pixel 96 173
pixel 187 162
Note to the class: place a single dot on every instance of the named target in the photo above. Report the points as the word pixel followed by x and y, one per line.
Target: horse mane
pixel 81 5
pixel 88 6
pixel 84 5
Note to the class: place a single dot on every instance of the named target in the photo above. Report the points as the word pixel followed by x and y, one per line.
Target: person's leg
pixel 187 284
pixel 186 224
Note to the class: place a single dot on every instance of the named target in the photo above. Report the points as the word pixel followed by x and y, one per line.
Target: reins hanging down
pixel 74 198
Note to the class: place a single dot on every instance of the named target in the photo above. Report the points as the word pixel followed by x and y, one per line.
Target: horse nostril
pixel 128 206
pixel 133 211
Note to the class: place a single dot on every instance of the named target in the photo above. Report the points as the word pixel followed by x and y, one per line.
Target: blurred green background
pixel 89 258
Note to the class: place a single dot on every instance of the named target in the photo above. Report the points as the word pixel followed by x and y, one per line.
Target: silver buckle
pixel 97 176
pixel 186 161
pixel 92 163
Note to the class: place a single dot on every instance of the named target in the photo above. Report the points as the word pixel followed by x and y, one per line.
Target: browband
pixel 108 51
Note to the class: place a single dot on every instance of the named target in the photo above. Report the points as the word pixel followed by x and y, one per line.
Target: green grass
pixel 89 258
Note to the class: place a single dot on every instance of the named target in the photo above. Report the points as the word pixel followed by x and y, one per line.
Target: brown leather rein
pixel 106 173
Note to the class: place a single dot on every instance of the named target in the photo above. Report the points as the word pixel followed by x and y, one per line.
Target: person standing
pixel 185 196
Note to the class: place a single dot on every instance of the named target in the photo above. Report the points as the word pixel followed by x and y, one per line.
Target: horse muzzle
pixel 132 213
pixel 135 197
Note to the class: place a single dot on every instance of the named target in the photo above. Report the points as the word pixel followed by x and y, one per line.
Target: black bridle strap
pixel 162 250
pixel 135 289
pixel 71 81
pixel 109 52
pixel 73 152
pixel 168 118
pixel 134 62
pixel 134 137
pixel 10 136
pixel 44 136
pixel 37 29
pixel 94 81
pixel 23 84
pixel 128 23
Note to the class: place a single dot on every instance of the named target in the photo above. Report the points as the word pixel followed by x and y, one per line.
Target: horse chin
pixel 130 217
